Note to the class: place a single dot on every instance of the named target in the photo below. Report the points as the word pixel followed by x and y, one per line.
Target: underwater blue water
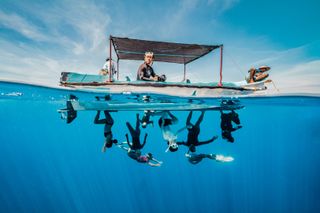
pixel 47 165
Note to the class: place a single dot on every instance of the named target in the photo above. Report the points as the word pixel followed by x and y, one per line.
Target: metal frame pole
pixel 110 59
pixel 221 61
pixel 184 72
pixel 118 69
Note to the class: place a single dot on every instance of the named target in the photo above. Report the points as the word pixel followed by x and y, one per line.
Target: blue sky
pixel 40 39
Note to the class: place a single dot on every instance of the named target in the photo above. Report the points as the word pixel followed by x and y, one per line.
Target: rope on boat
pixel 237 65
pixel 83 77
pixel 275 86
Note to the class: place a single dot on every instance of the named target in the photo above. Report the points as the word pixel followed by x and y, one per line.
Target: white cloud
pixel 223 5
pixel 72 35
pixel 299 78
pixel 22 26
pixel 76 40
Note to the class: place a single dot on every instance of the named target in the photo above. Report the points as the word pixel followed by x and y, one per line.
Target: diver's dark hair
pixel 173 149
pixel 109 144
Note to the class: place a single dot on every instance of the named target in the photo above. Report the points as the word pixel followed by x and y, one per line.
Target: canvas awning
pixel 134 49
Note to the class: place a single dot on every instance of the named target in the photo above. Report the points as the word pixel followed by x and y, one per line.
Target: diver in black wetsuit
pixel 108 123
pixel 145 121
pixel 134 148
pixel 135 134
pixel 226 124
pixel 193 133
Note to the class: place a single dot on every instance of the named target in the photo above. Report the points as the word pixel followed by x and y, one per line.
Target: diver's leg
pixel 132 131
pixel 200 119
pixel 252 73
pixel 189 119
pixel 211 156
pixel 195 159
pixel 109 119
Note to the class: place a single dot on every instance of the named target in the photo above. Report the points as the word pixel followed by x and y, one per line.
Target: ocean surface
pixel 47 165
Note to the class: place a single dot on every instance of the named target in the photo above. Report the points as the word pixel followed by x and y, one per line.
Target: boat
pixel 134 49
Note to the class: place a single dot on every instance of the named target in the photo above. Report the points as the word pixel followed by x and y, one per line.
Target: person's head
pixel 108 143
pixel 227 135
pixel 144 124
pixel 173 147
pixel 192 148
pixel 108 59
pixel 148 57
pixel 149 156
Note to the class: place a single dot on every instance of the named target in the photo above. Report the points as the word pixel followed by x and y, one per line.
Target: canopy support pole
pixel 184 72
pixel 118 69
pixel 110 59
pixel 221 60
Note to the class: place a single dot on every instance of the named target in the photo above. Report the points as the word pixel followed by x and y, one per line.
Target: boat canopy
pixel 134 49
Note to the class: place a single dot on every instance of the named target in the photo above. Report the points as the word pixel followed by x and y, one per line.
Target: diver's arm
pixel 182 143
pixel 200 118
pixel 155 160
pixel 204 142
pixel 234 128
pixel 97 120
pixel 208 141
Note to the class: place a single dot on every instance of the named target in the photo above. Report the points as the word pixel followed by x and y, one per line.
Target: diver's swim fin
pixel 222 158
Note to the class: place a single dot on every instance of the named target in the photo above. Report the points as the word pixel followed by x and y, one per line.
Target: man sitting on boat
pixel 258 74
pixel 146 72
pixel 106 67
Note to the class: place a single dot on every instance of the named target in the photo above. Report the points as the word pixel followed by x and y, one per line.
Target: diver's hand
pixel 215 137
pixel 155 78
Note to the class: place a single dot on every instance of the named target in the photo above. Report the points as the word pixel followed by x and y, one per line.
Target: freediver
pixel 108 123
pixel 134 148
pixel 226 124
pixel 145 120
pixel 193 134
pixel 166 120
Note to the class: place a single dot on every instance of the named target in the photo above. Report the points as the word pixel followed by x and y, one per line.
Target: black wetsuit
pixel 226 125
pixel 135 134
pixel 165 122
pixel 145 72
pixel 193 133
